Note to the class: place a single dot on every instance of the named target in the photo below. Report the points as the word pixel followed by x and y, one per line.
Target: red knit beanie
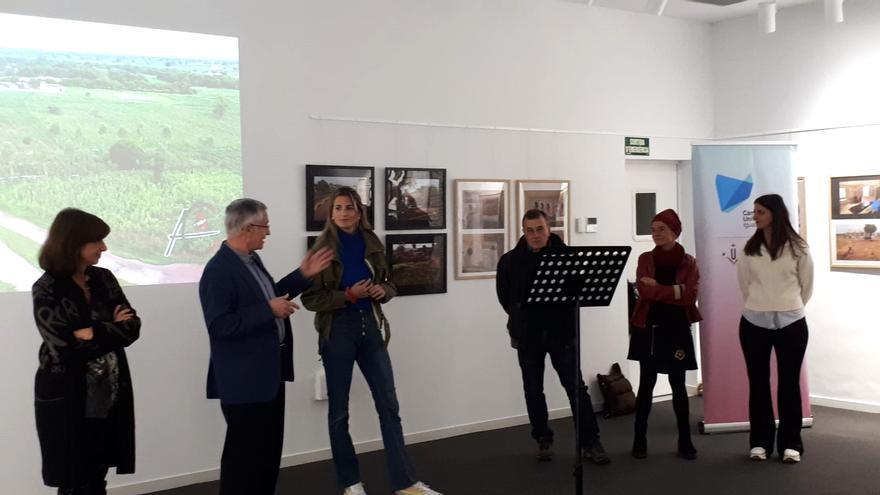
pixel 670 218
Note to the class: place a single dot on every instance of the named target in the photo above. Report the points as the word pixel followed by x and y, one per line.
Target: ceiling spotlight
pixel 834 11
pixel 767 16
pixel 657 7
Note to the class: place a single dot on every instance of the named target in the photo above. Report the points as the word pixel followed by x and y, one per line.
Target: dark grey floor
pixel 843 450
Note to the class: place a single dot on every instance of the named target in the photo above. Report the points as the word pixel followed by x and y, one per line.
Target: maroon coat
pixel 687 273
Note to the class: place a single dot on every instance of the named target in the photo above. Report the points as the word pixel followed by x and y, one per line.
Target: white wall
pixel 522 63
pixel 843 366
pixel 814 76
pixel 806 75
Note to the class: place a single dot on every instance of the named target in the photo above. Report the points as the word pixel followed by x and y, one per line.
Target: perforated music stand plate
pixel 586 275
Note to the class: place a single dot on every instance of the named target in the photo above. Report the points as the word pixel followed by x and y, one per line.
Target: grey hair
pixel 241 212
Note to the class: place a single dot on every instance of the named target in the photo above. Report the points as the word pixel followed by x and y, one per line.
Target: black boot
pixel 686 449
pixel 640 447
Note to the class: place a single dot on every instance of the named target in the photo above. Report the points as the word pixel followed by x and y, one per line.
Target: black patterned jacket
pixel 60 389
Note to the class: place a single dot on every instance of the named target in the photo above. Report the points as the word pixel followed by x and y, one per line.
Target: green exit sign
pixel 637 146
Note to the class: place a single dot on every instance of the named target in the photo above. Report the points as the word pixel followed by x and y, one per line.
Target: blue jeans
pixel 355 337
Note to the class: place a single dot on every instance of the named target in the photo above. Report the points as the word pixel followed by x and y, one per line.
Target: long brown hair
pixel 70 231
pixel 781 230
pixel 330 228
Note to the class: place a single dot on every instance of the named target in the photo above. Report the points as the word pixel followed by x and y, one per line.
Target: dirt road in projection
pixel 22 274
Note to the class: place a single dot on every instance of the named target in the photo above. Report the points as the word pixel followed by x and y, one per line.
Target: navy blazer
pixel 247 361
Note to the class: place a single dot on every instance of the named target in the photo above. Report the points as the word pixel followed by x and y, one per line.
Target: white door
pixel 653 187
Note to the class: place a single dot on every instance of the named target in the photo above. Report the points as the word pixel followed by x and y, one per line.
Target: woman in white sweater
pixel 776 279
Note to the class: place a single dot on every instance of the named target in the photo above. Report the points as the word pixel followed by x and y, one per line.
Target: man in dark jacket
pixel 247 315
pixel 536 332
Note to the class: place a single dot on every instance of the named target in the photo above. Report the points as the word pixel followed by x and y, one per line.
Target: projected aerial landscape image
pixel 139 126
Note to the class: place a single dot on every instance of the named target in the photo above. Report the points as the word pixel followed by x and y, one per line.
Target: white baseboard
pixel 297 459
pixel 691 392
pixel 852 405
pixel 740 426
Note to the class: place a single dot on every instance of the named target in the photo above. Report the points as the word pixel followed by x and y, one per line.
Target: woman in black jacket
pixel 83 396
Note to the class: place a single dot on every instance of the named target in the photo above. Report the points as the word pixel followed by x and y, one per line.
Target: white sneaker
pixel 355 489
pixel 418 489
pixel 791 456
pixel 758 454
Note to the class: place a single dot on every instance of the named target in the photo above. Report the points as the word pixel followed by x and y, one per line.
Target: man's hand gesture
pixel 315 262
pixel 282 307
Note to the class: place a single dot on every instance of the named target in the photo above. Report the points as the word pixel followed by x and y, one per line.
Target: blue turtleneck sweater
pixel 352 251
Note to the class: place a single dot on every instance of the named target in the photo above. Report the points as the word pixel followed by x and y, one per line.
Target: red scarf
pixel 668 259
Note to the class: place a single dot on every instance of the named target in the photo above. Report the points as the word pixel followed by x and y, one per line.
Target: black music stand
pixel 568 278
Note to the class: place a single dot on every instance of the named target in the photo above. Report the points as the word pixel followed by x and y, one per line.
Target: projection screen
pixel 138 126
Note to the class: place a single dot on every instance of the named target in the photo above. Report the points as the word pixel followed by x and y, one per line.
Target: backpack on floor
pixel 617 392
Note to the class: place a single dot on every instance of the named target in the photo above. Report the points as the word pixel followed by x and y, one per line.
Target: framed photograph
pixel 482 228
pixel 323 180
pixel 415 198
pixel 418 263
pixel 855 243
pixel 549 196
pixel 310 241
pixel 855 197
pixel 802 207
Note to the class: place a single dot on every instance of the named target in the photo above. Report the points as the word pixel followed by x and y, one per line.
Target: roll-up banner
pixel 727 179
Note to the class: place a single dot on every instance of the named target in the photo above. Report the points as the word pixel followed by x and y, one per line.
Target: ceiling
pixel 686 9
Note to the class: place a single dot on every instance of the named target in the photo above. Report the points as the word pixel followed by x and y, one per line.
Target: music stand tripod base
pixel 569 278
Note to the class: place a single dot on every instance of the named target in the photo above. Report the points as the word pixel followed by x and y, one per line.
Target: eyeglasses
pixel 258 225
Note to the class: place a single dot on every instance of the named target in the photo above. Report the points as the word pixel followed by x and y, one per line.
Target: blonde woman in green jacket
pixel 347 298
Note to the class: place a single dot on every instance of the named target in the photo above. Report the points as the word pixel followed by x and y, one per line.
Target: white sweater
pixel 783 284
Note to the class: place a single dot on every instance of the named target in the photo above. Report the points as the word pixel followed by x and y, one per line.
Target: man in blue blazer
pixel 247 315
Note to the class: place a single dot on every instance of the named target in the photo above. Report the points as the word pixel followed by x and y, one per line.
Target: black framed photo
pixel 415 198
pixel 418 263
pixel 855 197
pixel 310 241
pixel 323 180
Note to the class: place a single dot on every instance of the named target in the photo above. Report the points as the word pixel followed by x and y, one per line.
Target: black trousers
pixel 99 453
pixel 252 450
pixel 532 353
pixel 98 485
pixel 790 344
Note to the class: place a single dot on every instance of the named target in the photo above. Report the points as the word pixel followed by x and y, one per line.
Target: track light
pixel 657 7
pixel 834 11
pixel 767 16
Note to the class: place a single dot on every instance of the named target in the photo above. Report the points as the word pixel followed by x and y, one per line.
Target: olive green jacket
pixel 325 297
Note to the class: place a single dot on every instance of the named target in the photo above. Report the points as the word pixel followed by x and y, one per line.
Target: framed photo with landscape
pixel 549 196
pixel 855 243
pixel 855 197
pixel 323 180
pixel 418 263
pixel 482 227
pixel 415 198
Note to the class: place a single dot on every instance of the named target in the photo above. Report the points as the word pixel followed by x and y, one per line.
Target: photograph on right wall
pixel 855 243
pixel 855 197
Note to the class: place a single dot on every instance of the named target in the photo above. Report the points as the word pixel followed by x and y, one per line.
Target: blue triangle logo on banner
pixel 731 191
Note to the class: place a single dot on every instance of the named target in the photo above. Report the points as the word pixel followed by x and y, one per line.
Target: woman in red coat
pixel 661 339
